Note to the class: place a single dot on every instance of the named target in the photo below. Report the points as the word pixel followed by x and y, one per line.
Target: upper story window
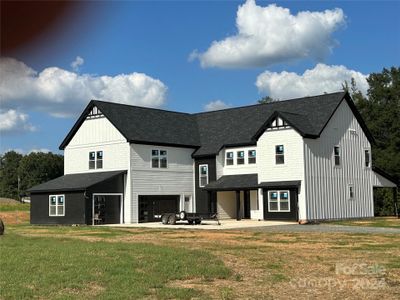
pixel 251 156
pixel 279 154
pixel 159 159
pixel 240 157
pixel 56 205
pixel 367 156
pixel 229 158
pixel 336 155
pixel 203 175
pixel 95 160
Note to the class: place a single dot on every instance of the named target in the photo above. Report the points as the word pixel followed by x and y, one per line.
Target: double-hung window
pixel 351 192
pixel 251 156
pixel 336 155
pixel 367 156
pixel 240 157
pixel 229 158
pixel 278 201
pixel 95 160
pixel 203 175
pixel 279 154
pixel 56 205
pixel 159 159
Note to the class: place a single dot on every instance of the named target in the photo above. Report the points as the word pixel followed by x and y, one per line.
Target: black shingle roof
pixel 208 132
pixel 233 182
pixel 74 182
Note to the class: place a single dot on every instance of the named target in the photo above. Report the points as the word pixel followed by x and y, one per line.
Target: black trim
pixel 164 144
pixel 386 175
pixel 280 184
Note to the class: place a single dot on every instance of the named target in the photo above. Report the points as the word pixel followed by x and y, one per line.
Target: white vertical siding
pixel 380 181
pixel 292 169
pixel 326 184
pixel 177 179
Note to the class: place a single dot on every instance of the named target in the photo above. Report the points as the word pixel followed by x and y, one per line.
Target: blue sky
pixel 154 40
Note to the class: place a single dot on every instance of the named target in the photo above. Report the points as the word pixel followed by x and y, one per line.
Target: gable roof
pixel 209 132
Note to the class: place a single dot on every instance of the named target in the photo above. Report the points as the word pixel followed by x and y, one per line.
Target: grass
pixel 388 222
pixel 84 262
pixel 18 206
pixel 46 267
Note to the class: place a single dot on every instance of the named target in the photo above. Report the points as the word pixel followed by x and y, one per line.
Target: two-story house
pixel 300 159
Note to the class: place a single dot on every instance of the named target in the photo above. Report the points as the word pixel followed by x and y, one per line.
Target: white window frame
pixel 278 200
pixel 159 156
pixel 350 193
pixel 56 206
pixel 233 158
pixel 200 166
pixel 369 158
pixel 337 155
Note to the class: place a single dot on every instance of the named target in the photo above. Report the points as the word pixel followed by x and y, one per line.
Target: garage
pixel 152 206
pixel 107 209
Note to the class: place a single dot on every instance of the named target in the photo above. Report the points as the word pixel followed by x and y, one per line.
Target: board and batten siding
pixel 176 179
pixel 99 134
pixel 327 186
pixel 291 170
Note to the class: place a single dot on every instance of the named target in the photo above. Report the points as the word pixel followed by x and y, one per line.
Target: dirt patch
pixel 14 217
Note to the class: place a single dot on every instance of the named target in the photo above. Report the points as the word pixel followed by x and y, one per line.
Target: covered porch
pixel 381 179
pixel 235 197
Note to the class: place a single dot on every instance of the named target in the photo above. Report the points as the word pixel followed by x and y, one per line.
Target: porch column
pixel 396 208
pixel 238 217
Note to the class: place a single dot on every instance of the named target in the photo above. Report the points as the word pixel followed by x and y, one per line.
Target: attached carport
pixel 85 198
pixel 381 179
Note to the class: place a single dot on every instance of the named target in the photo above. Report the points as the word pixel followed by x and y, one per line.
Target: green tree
pixel 266 99
pixel 9 163
pixel 39 167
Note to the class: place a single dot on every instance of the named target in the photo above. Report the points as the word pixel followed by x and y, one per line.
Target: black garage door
pixel 280 204
pixel 151 207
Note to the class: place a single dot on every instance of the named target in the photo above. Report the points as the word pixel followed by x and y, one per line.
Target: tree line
pixel 20 172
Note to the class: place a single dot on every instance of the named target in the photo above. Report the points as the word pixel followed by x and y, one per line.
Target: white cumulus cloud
pixel 322 78
pixel 64 93
pixel 216 105
pixel 77 63
pixel 12 121
pixel 271 34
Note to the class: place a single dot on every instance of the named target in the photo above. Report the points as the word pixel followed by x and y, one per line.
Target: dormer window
pixel 229 158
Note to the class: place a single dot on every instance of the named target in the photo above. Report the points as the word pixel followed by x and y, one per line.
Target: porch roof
pixel 74 182
pixel 280 184
pixel 234 182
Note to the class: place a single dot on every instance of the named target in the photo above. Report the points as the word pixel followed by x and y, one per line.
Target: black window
pixel 351 192
pixel 252 156
pixel 92 160
pixel 159 159
pixel 336 153
pixel 240 157
pixel 229 158
pixel 279 154
pixel 367 158
pixel 99 161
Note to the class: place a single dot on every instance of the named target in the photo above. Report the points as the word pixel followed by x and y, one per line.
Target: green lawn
pixel 390 222
pixel 14 207
pixel 62 268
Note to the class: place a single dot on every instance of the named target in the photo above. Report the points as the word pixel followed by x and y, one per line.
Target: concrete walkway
pixel 208 225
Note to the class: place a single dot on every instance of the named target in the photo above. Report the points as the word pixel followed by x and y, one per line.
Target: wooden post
pixel 238 216
pixel 396 208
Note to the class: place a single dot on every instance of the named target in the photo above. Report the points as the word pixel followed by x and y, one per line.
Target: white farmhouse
pixel 300 159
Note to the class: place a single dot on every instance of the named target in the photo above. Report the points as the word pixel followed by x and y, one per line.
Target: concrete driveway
pixel 208 225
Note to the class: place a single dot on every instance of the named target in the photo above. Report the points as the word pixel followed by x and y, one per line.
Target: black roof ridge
pixel 143 107
pixel 269 103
